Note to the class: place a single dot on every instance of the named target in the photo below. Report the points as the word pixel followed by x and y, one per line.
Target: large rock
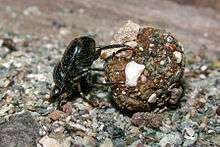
pixel 21 131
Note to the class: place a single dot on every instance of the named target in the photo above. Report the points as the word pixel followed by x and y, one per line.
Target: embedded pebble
pixel 133 71
pixel 178 56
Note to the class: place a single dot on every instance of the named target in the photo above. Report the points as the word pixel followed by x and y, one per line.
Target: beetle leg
pixel 92 103
pixel 97 84
pixel 101 48
pixel 55 93
pixel 96 69
pixel 79 76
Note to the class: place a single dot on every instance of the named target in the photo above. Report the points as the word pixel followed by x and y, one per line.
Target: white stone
pixel 152 98
pixel 1 42
pixel 162 62
pixel 178 56
pixel 49 142
pixel 133 71
pixel 132 44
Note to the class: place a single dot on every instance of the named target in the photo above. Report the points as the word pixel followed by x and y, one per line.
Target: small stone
pixel 67 142
pixel 162 62
pixel 172 139
pixel 138 119
pixel 89 141
pixel 133 71
pixel 20 131
pixel 9 43
pixel 151 120
pixel 59 129
pixel 204 68
pixel 152 98
pixel 216 139
pixel 175 95
pixel 32 10
pixel 169 39
pixel 217 129
pixel 189 133
pixel 67 108
pixel 56 115
pixel 107 143
pixel 178 56
pixel 218 110
pixel 132 44
pixel 79 127
pixel 42 132
pixel 49 142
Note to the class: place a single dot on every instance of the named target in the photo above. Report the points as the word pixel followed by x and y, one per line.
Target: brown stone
pixel 218 111
pixel 56 115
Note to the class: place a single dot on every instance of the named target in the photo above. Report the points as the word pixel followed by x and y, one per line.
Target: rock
pixel 107 143
pixel 67 142
pixel 190 137
pixel 5 109
pixel 56 115
pixel 49 142
pixel 137 143
pixel 114 131
pixel 32 10
pixel 151 120
pixel 133 71
pixel 20 131
pixel 216 139
pixel 217 129
pixel 10 44
pixel 89 141
pixel 119 142
pixel 138 119
pixel 173 139
pixel 218 110
pixel 67 108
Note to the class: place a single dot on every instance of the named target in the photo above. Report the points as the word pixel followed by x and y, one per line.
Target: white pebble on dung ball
pixel 133 71
pixel 178 56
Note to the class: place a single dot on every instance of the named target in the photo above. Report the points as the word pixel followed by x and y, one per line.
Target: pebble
pixel 32 10
pixel 178 56
pixel 56 115
pixel 152 98
pixel 89 141
pixel 217 129
pixel 49 142
pixel 151 120
pixel 106 143
pixel 173 139
pixel 110 110
pixel 218 110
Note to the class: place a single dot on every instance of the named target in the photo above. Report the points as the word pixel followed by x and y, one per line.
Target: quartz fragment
pixel 178 56
pixel 133 71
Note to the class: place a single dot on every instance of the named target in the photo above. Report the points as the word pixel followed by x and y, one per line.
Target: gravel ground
pixel 34 35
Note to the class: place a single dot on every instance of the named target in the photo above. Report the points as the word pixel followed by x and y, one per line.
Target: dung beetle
pixel 72 74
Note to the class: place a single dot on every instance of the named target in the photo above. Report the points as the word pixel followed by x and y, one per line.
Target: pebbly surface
pixel 34 35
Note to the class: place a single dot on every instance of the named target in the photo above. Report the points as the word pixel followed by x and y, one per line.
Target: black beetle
pixel 73 73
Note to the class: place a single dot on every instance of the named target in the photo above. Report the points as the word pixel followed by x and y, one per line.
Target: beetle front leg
pixel 92 103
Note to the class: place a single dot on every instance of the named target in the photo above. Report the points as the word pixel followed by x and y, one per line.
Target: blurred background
pixel 196 23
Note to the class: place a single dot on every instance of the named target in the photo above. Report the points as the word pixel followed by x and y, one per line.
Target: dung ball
pixel 144 74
